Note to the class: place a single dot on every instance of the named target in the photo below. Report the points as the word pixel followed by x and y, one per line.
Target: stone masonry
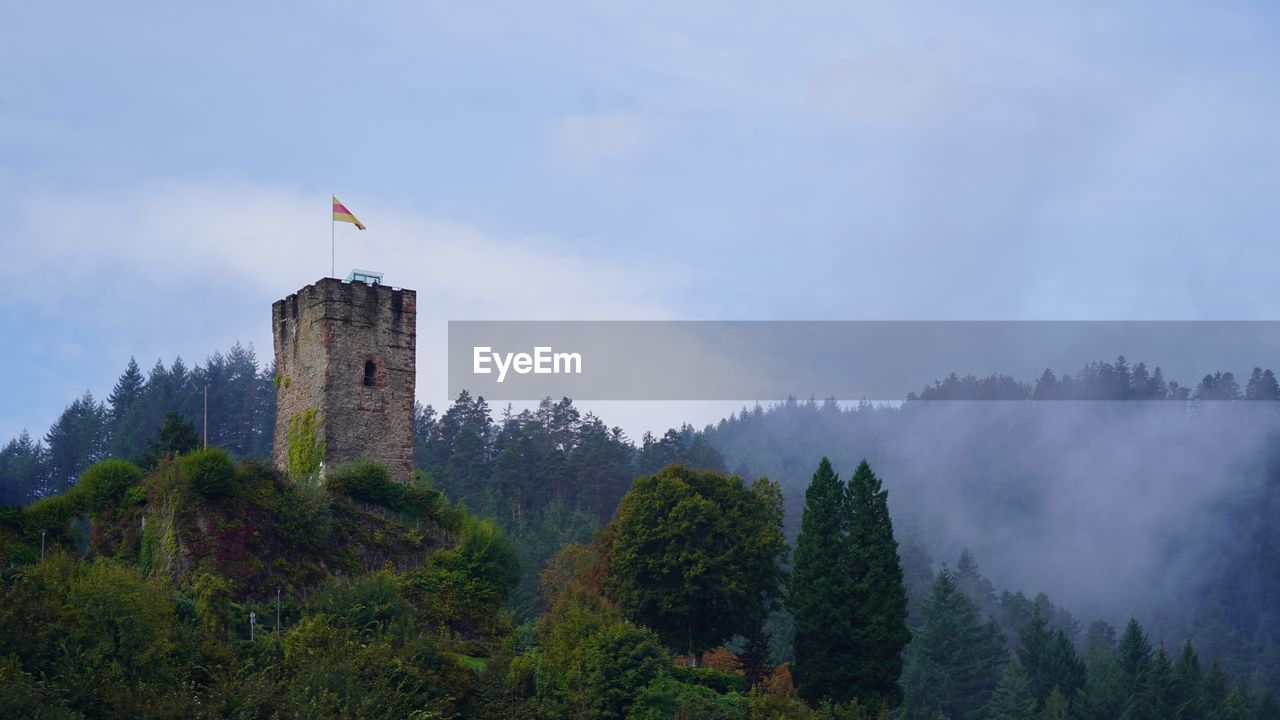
pixel 348 351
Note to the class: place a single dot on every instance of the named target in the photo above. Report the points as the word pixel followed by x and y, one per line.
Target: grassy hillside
pixel 391 603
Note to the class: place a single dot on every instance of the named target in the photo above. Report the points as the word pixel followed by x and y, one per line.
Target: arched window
pixel 370 373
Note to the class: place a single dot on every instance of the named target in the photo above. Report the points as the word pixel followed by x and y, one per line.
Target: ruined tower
pixel 346 349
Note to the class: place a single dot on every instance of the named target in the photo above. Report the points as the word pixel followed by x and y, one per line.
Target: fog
pixel 1112 508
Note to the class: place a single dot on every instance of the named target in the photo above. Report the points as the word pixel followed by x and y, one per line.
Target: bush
pixel 368 481
pixel 717 680
pixel 305 517
pixel 618 664
pixel 135 496
pixel 210 471
pixel 670 699
pixel 54 513
pixel 362 603
pixel 106 482
pixel 488 555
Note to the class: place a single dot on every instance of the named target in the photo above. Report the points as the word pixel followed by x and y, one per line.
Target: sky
pixel 166 168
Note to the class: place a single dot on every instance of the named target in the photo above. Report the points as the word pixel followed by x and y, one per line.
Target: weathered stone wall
pixel 323 336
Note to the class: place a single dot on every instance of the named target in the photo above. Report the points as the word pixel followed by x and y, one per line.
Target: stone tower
pixel 347 350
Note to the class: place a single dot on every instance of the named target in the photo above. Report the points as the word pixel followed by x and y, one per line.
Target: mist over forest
pixel 1090 497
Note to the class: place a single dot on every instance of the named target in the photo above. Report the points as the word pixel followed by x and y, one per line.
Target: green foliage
pixel 106 639
pixel 669 698
pixel 617 664
pixel 306 448
pixel 718 680
pixel 1012 699
pixel 954 660
pixel 369 482
pixel 819 596
pixel 210 472
pixel 56 512
pixel 696 555
pixel 176 436
pixel 467 586
pixel 847 592
pixel 488 556
pixel 106 482
pixel 1103 695
pixel 370 603
pixel 305 518
pixel 333 670
pixel 134 496
pixel 147 550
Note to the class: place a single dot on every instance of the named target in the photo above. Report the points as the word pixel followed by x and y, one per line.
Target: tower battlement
pixel 348 351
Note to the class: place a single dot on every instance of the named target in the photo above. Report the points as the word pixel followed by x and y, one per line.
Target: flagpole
pixel 332 253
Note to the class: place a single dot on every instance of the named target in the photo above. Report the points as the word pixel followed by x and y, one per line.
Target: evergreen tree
pixel 880 615
pixel 127 391
pixel 1012 699
pixel 1056 707
pixel 847 592
pixel 75 441
pixel 972 583
pixel 1262 385
pixel 1136 660
pixel 1064 669
pixel 822 635
pixel 1034 642
pixel 175 437
pixel 22 471
pixel 1185 698
pixel 124 397
pixel 1104 693
pixel 955 660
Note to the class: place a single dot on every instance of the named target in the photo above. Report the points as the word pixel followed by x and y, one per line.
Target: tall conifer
pixel 818 583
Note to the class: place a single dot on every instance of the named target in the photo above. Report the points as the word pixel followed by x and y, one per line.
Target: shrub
pixel 54 513
pixel 368 481
pixel 135 496
pixel 210 472
pixel 488 555
pixel 106 482
pixel 362 603
pixel 717 680
pixel 618 664
pixel 305 517
pixel 670 699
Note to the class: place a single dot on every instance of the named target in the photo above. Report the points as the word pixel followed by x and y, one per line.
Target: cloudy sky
pixel 166 167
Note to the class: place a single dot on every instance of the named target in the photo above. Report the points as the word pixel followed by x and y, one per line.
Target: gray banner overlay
pixel 846 360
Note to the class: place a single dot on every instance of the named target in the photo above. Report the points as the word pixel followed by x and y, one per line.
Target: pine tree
pixel 880 617
pixel 1262 385
pixel 75 441
pixel 1056 707
pixel 1012 699
pixel 22 470
pixel 127 391
pixel 1186 695
pixel 1104 693
pixel 1064 669
pixel 955 660
pixel 1034 643
pixel 822 638
pixel 847 593
pixel 972 583
pixel 1136 664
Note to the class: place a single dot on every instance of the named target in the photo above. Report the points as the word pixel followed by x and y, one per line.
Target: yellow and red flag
pixel 342 214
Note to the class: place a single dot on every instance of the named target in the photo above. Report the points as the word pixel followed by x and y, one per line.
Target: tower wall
pixel 324 335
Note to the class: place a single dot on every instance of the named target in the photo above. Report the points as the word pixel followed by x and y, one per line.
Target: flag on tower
pixel 341 213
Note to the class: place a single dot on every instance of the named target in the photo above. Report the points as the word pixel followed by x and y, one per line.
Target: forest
pixel 544 565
